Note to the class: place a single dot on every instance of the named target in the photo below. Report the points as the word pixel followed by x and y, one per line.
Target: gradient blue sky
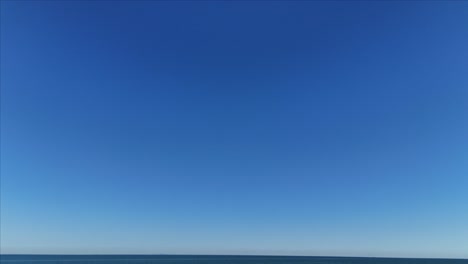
pixel 311 128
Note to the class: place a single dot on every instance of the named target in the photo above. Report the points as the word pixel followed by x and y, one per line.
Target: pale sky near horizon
pixel 235 127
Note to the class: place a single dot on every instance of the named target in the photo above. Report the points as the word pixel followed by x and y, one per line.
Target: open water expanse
pixel 210 259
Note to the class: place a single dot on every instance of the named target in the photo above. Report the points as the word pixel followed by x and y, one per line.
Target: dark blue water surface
pixel 201 259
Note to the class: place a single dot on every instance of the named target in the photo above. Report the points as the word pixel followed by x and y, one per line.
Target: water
pixel 200 259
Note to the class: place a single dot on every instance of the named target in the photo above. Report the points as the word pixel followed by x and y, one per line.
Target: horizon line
pixel 230 255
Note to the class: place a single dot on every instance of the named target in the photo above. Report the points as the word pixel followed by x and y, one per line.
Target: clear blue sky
pixel 320 128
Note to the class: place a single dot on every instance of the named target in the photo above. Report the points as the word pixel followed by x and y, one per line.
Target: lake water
pixel 210 259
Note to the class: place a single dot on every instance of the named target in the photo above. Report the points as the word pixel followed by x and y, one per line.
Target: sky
pixel 235 127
